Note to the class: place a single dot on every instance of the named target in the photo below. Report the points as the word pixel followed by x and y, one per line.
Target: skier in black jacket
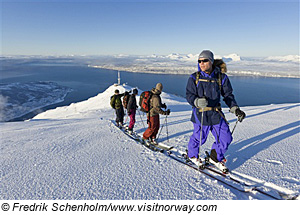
pixel 131 109
pixel 116 103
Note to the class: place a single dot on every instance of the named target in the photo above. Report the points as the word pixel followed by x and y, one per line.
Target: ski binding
pixel 219 165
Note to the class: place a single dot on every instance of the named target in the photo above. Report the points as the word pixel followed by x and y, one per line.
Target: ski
pixel 228 178
pixel 150 145
pixel 206 172
pixel 122 128
pixel 276 194
pixel 162 146
pixel 139 140
pixel 211 165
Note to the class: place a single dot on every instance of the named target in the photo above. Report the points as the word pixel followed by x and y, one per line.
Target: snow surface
pixel 75 152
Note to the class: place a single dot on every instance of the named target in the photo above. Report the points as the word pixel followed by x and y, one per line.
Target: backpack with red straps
pixel 125 100
pixel 145 101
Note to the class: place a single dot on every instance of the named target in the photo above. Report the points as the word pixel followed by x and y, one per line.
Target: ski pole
pixel 141 118
pixel 201 129
pixel 167 128
pixel 234 126
pixel 161 129
pixel 126 118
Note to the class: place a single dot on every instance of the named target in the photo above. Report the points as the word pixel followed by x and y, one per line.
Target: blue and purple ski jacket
pixel 209 89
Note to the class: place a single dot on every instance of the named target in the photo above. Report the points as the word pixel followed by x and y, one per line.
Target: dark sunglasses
pixel 204 61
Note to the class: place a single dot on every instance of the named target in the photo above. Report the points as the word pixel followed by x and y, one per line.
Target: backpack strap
pixel 197 77
pixel 206 80
pixel 220 80
pixel 150 99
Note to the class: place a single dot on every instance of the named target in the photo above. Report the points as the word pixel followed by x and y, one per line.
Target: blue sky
pixel 251 28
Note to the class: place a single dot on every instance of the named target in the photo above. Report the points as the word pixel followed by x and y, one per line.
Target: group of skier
pixel 203 92
pixel 130 104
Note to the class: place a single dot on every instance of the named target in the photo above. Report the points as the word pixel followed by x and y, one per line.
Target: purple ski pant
pixel 222 136
pixel 132 118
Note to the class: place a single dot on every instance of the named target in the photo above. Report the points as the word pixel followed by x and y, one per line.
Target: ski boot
pixel 129 130
pixel 119 125
pixel 145 141
pixel 212 159
pixel 148 143
pixel 198 162
pixel 154 141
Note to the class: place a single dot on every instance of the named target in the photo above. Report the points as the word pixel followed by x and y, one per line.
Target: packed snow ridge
pixel 75 152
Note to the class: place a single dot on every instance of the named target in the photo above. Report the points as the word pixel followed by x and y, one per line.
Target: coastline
pixel 190 70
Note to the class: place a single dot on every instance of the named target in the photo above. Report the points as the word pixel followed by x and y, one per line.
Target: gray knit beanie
pixel 207 55
pixel 159 87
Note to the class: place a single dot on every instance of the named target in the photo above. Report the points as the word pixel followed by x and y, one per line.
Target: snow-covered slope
pixel 75 152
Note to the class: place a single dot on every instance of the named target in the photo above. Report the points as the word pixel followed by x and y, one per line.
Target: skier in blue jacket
pixel 203 92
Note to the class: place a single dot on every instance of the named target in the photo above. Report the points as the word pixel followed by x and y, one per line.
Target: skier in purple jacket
pixel 203 93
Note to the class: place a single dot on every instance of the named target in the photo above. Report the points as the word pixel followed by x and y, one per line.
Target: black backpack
pixel 125 100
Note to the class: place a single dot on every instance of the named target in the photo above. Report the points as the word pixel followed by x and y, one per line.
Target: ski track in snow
pixel 75 152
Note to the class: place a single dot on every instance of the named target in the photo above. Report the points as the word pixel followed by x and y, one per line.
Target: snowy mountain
pixel 231 57
pixel 273 66
pixel 287 58
pixel 194 57
pixel 18 99
pixel 75 152
pixel 280 66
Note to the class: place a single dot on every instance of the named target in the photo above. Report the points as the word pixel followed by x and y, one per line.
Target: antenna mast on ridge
pixel 119 78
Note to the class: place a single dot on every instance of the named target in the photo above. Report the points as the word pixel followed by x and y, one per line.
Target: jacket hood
pixel 155 91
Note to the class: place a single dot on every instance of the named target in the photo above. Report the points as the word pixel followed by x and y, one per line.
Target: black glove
pixel 164 106
pixel 129 112
pixel 167 112
pixel 240 114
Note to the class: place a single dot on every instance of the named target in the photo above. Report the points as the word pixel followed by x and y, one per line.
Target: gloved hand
pixel 164 106
pixel 238 112
pixel 129 112
pixel 167 112
pixel 200 102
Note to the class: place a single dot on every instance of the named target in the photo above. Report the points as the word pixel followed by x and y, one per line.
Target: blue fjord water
pixel 87 82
